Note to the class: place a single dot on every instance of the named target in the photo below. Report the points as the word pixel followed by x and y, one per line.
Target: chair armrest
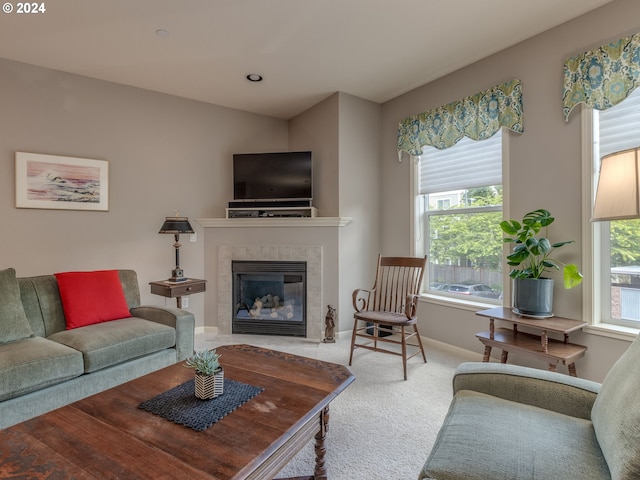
pixel 182 320
pixel 360 298
pixel 540 388
pixel 411 305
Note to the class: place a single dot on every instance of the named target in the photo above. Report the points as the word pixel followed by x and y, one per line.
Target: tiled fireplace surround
pixel 310 254
pixel 313 240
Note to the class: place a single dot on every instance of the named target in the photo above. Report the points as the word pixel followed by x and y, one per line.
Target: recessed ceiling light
pixel 161 32
pixel 254 77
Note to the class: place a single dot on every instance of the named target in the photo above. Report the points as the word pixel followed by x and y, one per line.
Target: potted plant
pixel 533 292
pixel 209 375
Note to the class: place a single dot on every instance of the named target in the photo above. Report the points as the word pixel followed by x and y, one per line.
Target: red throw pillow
pixel 91 297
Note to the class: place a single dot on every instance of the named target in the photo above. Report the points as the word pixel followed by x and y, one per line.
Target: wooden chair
pixel 386 314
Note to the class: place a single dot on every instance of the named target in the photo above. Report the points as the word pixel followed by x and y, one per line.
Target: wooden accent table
pixel 539 346
pixel 178 290
pixel 106 436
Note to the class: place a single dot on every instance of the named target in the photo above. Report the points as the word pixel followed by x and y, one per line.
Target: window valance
pixel 478 117
pixel 603 77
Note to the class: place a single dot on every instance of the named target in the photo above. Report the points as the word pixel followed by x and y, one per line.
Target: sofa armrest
pixel 182 320
pixel 549 390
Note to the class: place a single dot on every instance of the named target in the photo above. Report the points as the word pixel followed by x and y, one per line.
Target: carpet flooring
pixel 381 427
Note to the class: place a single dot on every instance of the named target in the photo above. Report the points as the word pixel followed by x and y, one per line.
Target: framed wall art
pixel 62 183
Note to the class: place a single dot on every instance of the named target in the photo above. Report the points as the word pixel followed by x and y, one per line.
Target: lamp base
pixel 177 279
pixel 177 275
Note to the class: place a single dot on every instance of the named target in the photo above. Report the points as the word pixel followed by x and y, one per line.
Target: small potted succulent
pixel 533 293
pixel 209 375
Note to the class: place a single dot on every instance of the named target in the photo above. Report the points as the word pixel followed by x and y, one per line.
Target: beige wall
pixel 317 130
pixel 165 153
pixel 545 162
pixel 360 198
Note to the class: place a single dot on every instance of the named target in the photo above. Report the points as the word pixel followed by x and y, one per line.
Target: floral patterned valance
pixel 478 117
pixel 603 77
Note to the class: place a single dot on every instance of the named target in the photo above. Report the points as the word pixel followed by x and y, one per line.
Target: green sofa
pixel 512 422
pixel 48 366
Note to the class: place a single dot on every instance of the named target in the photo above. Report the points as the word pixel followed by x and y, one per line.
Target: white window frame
pixel 417 242
pixel 592 290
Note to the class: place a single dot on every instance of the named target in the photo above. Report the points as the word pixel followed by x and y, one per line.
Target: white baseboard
pixel 468 355
pixel 206 331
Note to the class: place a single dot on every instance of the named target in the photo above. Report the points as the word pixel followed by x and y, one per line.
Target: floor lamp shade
pixel 617 196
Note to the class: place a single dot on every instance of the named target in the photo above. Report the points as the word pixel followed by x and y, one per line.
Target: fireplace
pixel 269 297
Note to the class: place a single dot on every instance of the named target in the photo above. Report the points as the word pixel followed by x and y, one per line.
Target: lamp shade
pixel 617 196
pixel 176 226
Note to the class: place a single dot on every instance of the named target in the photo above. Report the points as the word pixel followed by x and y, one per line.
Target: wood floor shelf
pixel 541 346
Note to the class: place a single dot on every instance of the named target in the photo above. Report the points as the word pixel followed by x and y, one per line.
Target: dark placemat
pixel 180 405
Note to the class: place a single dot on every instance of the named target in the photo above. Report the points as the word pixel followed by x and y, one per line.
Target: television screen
pixel 272 176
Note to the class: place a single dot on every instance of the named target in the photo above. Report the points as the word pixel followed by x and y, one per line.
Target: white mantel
pixel 274 222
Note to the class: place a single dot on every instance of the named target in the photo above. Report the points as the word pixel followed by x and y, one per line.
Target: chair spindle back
pixel 396 277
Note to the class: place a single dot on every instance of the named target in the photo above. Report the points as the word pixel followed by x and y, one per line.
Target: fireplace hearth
pixel 269 297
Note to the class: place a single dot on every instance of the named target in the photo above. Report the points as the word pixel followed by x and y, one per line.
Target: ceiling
pixel 306 50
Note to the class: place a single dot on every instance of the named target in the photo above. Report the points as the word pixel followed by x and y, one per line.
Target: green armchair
pixel 508 422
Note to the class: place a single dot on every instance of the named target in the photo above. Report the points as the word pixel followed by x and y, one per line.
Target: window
pixel 459 210
pixel 616 244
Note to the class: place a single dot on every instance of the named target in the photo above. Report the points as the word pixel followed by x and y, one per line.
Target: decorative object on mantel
pixel 477 116
pixel 330 325
pixel 62 183
pixel 533 293
pixel 209 376
pixel 175 226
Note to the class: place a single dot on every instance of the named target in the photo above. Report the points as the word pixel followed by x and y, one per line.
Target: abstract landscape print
pixel 48 181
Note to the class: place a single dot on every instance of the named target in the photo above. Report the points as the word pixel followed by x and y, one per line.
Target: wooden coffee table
pixel 106 436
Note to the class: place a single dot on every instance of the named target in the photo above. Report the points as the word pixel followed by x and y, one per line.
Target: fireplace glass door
pixel 269 297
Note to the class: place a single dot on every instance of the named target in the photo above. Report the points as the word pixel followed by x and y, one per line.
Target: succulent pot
pixel 209 386
pixel 533 296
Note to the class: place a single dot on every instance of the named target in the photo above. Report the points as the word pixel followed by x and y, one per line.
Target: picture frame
pixel 61 183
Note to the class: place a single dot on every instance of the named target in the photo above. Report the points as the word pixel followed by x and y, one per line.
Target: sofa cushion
pixel 616 417
pixel 34 363
pixel 109 343
pixel 487 437
pixel 91 297
pixel 14 324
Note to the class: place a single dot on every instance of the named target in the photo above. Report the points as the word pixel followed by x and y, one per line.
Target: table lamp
pixel 176 225
pixel 617 196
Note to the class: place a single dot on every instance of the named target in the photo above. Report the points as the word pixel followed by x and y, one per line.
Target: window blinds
pixel 620 125
pixel 468 164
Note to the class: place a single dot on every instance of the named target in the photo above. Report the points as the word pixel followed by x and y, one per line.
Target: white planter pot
pixel 209 386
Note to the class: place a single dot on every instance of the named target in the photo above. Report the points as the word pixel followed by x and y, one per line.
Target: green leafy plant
pixel 532 251
pixel 205 361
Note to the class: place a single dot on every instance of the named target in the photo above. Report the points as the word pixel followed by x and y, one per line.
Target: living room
pixel 168 153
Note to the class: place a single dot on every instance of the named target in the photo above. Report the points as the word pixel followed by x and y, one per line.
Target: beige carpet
pixel 381 427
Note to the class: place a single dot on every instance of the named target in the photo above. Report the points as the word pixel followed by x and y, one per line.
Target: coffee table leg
pixel 320 472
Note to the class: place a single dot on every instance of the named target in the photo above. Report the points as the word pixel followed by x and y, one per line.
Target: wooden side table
pixel 539 346
pixel 177 290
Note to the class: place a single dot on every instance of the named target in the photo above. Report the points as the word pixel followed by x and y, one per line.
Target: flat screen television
pixel 272 176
